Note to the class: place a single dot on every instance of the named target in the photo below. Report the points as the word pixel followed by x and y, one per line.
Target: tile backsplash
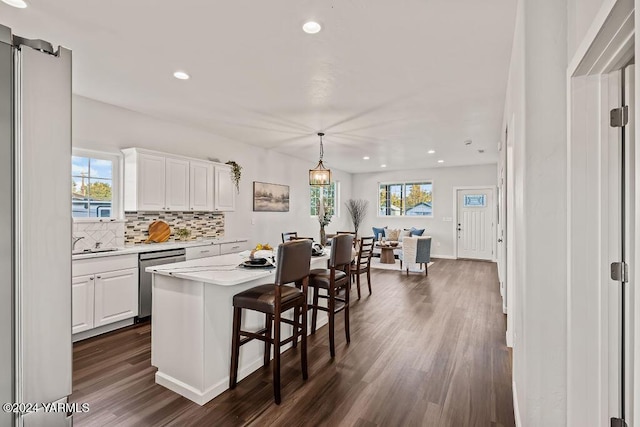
pixel 204 225
pixel 108 234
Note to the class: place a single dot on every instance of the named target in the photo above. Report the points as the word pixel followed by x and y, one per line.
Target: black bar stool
pixel 333 279
pixel 292 266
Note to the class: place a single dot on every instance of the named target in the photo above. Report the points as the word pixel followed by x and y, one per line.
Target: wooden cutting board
pixel 159 232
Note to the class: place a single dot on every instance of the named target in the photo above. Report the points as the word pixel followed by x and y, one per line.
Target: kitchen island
pixel 191 321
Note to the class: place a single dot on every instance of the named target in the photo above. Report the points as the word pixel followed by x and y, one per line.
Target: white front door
pixel 475 223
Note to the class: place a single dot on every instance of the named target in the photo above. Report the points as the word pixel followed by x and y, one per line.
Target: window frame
pixel 336 200
pixel 403 207
pixel 116 159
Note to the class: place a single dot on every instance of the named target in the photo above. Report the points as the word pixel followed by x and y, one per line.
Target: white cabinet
pixel 202 252
pixel 225 191
pixel 104 291
pixel 82 291
pixel 150 184
pixel 233 247
pixel 155 182
pixel 201 186
pixel 116 296
pixel 176 184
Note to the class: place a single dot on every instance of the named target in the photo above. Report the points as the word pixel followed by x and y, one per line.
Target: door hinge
pixel 619 117
pixel 620 272
pixel 618 422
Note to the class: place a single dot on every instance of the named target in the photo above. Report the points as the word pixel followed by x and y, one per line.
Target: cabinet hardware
pixel 90 278
pixel 98 277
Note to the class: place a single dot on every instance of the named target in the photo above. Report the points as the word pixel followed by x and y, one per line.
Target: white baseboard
pixel 443 256
pixel 101 330
pixel 516 408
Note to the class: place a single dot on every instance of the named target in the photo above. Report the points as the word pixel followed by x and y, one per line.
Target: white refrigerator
pixel 35 229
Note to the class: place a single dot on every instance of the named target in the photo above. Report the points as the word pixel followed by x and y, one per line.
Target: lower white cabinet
pixel 104 291
pixel 116 296
pixel 82 291
pixel 233 247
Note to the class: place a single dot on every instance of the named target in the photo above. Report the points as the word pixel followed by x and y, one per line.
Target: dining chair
pixel 362 263
pixel 332 280
pixel 288 235
pixel 293 261
pixel 416 250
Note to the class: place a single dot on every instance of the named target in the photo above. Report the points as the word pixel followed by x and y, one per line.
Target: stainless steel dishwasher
pixel 149 259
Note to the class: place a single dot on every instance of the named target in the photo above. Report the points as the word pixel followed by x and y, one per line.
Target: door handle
pixel 499 240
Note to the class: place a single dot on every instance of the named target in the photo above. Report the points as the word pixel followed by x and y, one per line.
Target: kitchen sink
pixel 93 251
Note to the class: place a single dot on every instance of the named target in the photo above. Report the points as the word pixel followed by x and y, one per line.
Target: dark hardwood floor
pixel 425 351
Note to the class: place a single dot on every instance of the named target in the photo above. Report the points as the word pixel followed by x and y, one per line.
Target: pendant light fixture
pixel 320 175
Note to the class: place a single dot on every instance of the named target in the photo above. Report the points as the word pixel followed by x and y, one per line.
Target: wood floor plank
pixel 424 351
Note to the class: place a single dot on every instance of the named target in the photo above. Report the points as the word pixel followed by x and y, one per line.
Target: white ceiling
pixel 387 79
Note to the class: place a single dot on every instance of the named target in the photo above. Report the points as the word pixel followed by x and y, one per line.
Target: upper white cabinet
pixel 225 191
pixel 201 186
pixel 156 181
pixel 176 184
pixel 148 184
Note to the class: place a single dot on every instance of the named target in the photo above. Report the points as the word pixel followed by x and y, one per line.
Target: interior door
pixel 621 256
pixel 475 223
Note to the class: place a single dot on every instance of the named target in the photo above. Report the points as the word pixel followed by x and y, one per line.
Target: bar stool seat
pixel 263 298
pixel 322 277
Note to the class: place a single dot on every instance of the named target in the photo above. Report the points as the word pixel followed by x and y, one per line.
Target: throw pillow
pixel 391 234
pixel 403 234
pixel 417 231
pixel 378 232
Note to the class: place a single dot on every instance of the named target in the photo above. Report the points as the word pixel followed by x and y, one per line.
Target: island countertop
pixel 191 323
pixel 221 270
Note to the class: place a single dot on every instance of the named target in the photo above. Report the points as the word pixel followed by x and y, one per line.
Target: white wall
pixel 580 18
pixel 105 127
pixel 536 101
pixel 365 186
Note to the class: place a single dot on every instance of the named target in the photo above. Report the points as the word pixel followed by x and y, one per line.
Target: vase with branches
pixel 358 210
pixel 324 218
pixel 236 173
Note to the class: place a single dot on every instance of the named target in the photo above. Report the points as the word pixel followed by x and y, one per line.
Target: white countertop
pixel 222 270
pixel 152 247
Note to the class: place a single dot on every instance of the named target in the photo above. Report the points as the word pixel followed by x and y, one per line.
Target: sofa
pixel 394 234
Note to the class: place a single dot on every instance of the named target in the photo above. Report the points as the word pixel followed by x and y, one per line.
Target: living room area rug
pixel 375 263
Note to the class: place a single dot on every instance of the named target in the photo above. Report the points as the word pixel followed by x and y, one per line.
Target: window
pixel 94 190
pixel 329 193
pixel 406 199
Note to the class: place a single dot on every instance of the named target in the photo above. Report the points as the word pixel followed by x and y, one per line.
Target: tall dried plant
pixel 358 210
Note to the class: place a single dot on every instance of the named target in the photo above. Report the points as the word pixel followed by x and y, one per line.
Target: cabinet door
pixel 230 248
pixel 177 184
pixel 151 183
pixel 82 290
pixel 225 190
pixel 116 296
pixel 201 186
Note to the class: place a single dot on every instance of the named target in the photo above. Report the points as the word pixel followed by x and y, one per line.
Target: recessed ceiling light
pixel 383 166
pixel 181 75
pixel 431 151
pixel 440 161
pixel 365 158
pixel 20 4
pixel 468 142
pixel 481 151
pixel 311 27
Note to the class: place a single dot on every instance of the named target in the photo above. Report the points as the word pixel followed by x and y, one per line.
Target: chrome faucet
pixel 76 240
